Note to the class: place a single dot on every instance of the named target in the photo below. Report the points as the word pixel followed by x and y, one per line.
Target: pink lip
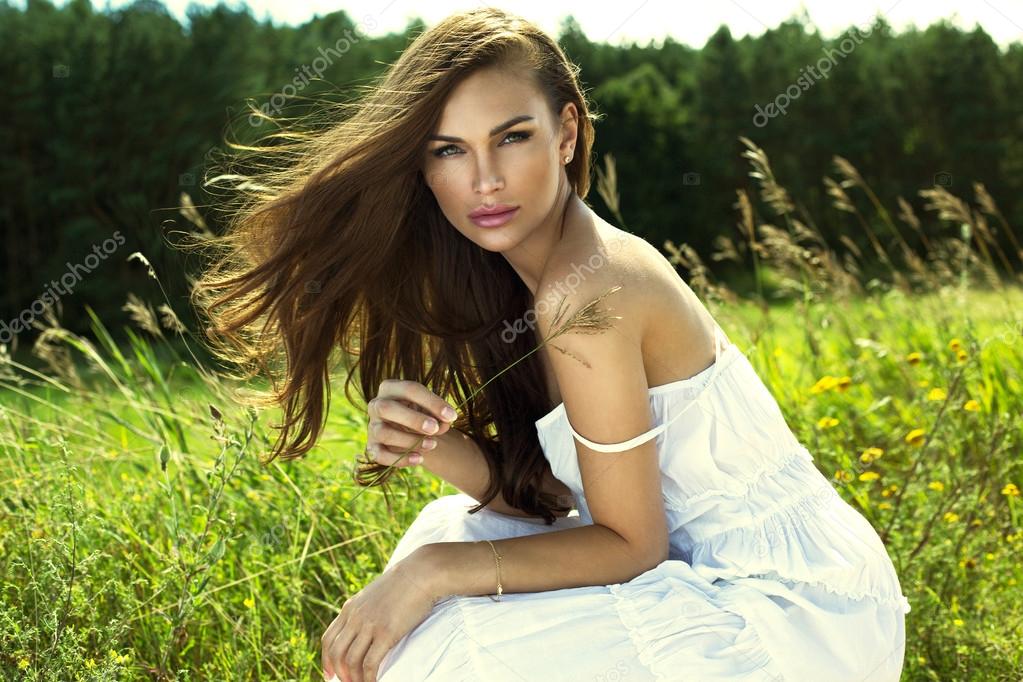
pixel 490 210
pixel 493 216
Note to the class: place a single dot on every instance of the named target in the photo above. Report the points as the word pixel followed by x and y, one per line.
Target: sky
pixel 686 21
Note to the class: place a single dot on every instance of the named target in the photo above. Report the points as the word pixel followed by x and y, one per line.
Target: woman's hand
pixel 373 621
pixel 399 416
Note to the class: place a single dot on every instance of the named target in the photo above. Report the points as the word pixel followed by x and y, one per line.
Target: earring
pixel 567 159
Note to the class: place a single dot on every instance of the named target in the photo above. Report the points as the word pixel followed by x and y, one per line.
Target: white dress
pixel 771 575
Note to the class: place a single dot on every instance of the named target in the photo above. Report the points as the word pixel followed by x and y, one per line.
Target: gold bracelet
pixel 497 557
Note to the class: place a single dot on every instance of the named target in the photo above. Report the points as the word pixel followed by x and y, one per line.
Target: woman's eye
pixel 441 151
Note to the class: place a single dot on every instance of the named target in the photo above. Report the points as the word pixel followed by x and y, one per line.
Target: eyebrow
pixel 493 131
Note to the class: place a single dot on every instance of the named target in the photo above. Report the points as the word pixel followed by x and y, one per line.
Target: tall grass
pixel 144 537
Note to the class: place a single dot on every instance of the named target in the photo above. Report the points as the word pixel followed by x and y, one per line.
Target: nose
pixel 488 176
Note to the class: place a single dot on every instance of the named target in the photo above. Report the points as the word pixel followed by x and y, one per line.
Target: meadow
pixel 142 537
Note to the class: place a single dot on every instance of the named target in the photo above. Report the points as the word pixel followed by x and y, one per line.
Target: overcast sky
pixel 687 21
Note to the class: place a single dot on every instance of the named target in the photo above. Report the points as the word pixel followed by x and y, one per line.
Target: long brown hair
pixel 345 245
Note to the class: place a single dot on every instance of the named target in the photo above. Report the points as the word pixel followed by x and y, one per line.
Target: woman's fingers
pixel 374 657
pixel 419 398
pixel 334 647
pixel 355 654
pixel 406 415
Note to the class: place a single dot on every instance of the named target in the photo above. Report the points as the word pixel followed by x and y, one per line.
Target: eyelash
pixel 439 153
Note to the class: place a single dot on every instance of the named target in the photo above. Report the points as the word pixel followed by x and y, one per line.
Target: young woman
pixel 440 234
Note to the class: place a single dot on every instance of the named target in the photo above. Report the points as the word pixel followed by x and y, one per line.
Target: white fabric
pixel 771 575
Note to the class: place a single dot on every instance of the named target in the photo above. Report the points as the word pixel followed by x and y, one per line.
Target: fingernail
pixel 416 459
pixel 448 413
pixel 430 425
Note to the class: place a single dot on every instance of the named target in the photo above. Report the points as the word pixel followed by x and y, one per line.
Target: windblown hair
pixel 345 246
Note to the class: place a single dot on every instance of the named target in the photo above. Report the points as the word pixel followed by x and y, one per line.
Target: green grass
pixel 141 538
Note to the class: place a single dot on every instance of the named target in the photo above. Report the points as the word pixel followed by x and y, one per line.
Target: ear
pixel 569 130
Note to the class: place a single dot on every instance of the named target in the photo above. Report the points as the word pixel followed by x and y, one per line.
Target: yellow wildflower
pixel 958 622
pixel 22 663
pixel 972 406
pixel 249 602
pixel 870 454
pixel 955 344
pixel 951 517
pixel 825 383
pixel 969 562
pixel 843 383
pixel 937 394
pixel 915 437
pixel 990 556
pixel 869 476
pixel 884 505
pixel 1011 490
pixel 976 522
pixel 90 663
pixel 827 422
pixel 923 383
pixel 842 475
pixel 914 358
pixel 961 356
pixel 136 498
pixel 936 485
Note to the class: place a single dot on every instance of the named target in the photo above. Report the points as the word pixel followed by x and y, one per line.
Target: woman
pixel 445 219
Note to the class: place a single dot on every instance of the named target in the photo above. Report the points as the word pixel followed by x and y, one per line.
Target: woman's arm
pixel 459 460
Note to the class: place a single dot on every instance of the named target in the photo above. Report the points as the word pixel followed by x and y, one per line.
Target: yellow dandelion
pixel 869 476
pixel 90 663
pixel 961 356
pixel 969 562
pixel 886 493
pixel 871 454
pixel 825 383
pixel 937 394
pixel 915 437
pixel 972 406
pixel 842 475
pixel 827 422
pixel 976 522
pixel 249 602
pixel 914 358
pixel 921 660
pixel 842 384
pixel 958 622
pixel 936 485
pixel 955 344
pixel 1011 490
pixel 22 663
pixel 990 556
pixel 884 505
pixel 951 517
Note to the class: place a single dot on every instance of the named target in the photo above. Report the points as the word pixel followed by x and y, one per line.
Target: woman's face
pixel 498 144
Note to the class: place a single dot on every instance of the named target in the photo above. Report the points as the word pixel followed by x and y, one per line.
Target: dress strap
pixel 720 339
